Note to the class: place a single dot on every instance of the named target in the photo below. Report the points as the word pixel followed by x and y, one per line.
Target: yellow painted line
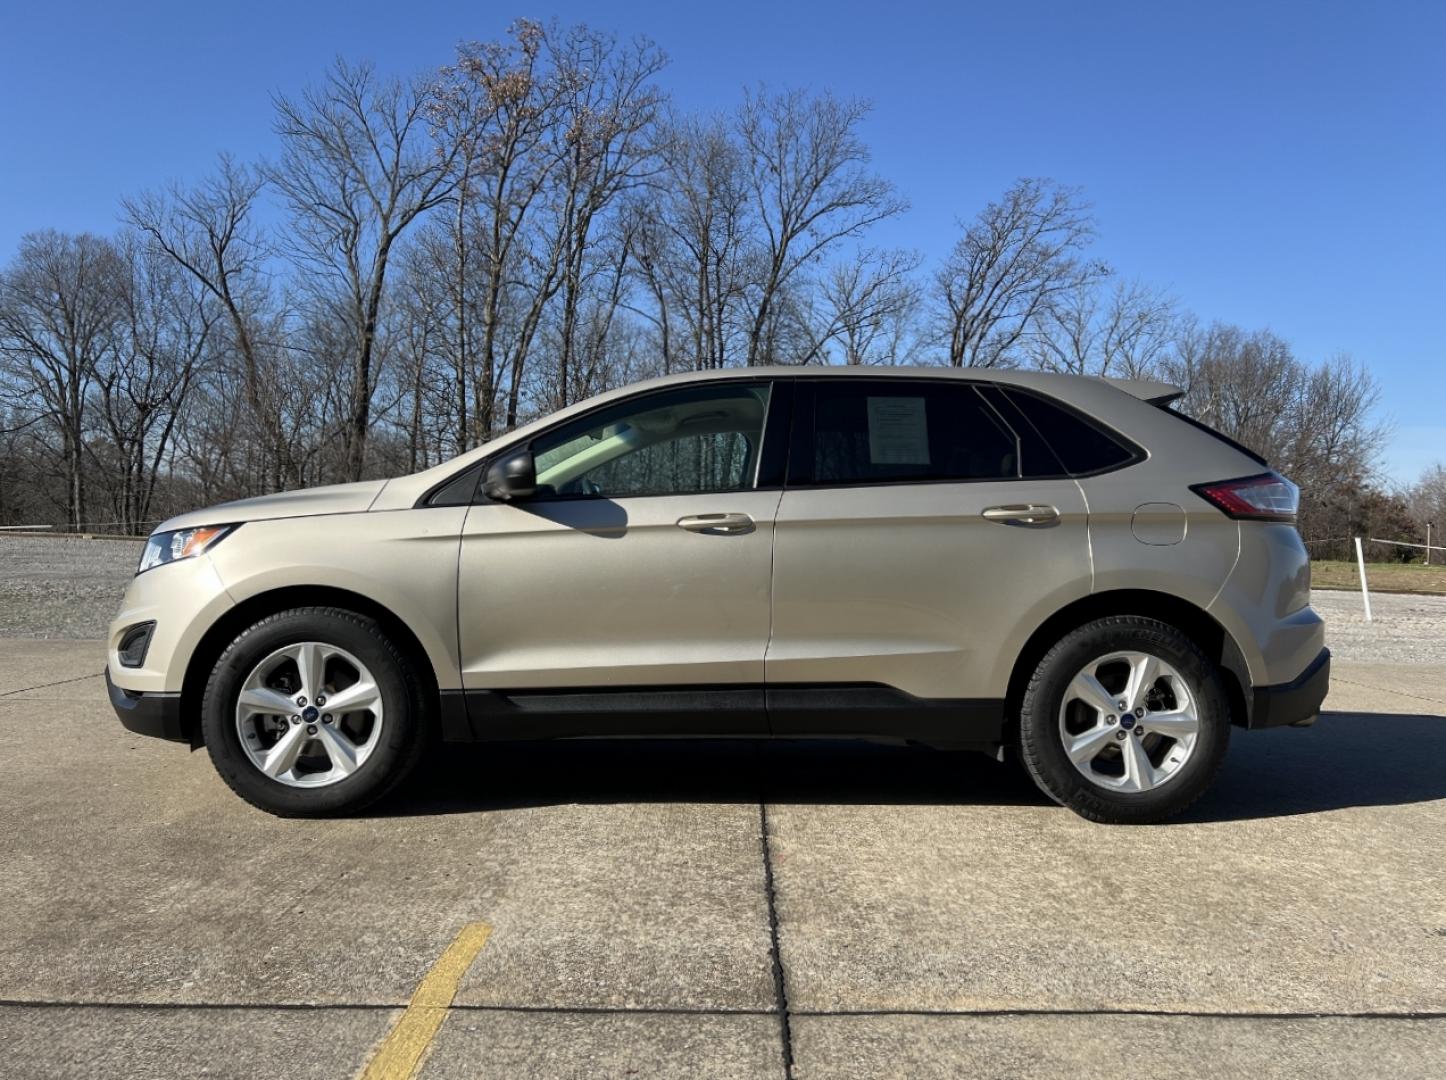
pixel 401 1054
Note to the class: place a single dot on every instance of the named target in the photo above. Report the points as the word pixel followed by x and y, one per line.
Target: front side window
pixel 679 442
pixel 896 432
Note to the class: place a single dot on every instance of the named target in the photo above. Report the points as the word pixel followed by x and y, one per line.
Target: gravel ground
pixel 63 587
pixel 1406 628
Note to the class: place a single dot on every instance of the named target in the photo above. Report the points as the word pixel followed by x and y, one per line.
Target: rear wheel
pixel 313 711
pixel 1125 720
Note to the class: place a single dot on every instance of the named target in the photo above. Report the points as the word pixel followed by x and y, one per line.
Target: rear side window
pixel 1082 447
pixel 896 432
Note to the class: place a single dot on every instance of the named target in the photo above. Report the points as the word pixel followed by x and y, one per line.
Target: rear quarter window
pixel 1082 446
pixel 1036 459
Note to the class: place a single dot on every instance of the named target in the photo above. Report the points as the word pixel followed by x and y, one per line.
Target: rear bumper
pixel 148 712
pixel 1293 702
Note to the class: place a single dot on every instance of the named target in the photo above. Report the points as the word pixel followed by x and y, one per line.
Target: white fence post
pixel 1365 593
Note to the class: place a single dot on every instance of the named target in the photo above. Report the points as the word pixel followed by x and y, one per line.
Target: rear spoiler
pixel 1161 394
pixel 1156 393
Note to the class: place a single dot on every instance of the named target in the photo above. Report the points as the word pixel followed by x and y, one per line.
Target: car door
pixel 912 558
pixel 630 595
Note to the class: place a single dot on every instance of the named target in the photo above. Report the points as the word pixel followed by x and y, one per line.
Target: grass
pixel 1381 577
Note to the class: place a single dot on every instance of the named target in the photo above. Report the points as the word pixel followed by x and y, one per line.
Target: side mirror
pixel 511 477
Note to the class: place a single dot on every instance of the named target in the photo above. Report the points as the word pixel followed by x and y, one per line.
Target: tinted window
pixel 892 431
pixel 678 442
pixel 459 491
pixel 1081 446
pixel 1036 459
pixel 716 461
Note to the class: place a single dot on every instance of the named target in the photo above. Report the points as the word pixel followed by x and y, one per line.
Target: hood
pixel 307 502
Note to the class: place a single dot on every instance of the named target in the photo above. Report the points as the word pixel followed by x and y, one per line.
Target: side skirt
pixel 843 711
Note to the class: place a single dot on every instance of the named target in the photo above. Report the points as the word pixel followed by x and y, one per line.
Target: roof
pixel 1144 389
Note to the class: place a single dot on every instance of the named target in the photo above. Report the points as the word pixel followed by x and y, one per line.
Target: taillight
pixel 1267 497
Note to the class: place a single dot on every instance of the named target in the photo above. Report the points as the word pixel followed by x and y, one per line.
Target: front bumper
pixel 1295 702
pixel 184 599
pixel 152 713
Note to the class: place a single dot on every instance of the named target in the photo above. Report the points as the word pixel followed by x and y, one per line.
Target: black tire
pixel 400 744
pixel 1042 745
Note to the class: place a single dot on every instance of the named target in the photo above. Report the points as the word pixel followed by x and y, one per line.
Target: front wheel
pixel 1125 720
pixel 312 712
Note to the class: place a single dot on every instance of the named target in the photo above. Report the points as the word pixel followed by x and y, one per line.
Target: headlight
pixel 167 547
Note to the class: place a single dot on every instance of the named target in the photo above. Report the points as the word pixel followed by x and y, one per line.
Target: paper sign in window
pixel 898 431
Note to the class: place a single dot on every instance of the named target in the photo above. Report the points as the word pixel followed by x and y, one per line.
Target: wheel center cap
pixel 309 714
pixel 1127 721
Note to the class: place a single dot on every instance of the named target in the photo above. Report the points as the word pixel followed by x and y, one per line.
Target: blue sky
pixel 1275 165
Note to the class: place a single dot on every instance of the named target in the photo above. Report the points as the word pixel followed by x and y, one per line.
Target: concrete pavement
pixel 932 915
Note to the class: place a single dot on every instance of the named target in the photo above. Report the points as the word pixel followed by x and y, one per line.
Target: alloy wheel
pixel 309 715
pixel 1129 722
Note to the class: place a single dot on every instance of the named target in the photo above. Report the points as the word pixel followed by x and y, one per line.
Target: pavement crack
pixel 375 1006
pixel 1181 1014
pixel 57 682
pixel 684 1010
pixel 1380 690
pixel 780 983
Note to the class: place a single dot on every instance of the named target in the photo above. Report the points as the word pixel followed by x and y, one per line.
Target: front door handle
pixel 717 524
pixel 1032 514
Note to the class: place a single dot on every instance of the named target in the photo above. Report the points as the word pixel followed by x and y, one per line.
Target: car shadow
pixel 602 518
pixel 526 774
pixel 1347 759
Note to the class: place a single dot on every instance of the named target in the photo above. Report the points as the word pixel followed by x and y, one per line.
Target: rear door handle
pixel 1031 514
pixel 723 524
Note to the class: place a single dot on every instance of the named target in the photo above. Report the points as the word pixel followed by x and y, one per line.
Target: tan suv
pixel 966 560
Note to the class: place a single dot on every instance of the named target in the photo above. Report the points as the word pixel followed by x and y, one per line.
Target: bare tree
pixel 356 169
pixel 531 226
pixel 1019 256
pixel 1315 424
pixel 1427 500
pixel 594 323
pixel 811 188
pixel 166 332
pixel 869 302
pixel 501 100
pixel 462 113
pixel 652 252
pixel 1125 332
pixel 604 142
pixel 208 230
pixel 1332 421
pixel 699 254
pixel 432 381
pixel 1244 384
pixel 61 305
